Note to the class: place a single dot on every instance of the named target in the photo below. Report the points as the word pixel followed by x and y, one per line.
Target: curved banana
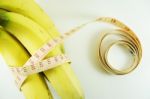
pixel 32 10
pixel 32 36
pixel 15 55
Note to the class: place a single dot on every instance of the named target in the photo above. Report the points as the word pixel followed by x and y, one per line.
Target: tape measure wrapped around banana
pixel 31 46
pixel 25 28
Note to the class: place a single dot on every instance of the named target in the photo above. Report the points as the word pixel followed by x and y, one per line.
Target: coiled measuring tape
pixel 36 64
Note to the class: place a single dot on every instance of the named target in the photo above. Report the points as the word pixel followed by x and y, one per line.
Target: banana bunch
pixel 24 28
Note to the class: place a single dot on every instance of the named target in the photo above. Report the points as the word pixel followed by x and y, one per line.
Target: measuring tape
pixel 36 64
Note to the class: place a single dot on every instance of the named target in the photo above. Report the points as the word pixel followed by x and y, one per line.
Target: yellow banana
pixel 32 36
pixel 14 54
pixel 32 10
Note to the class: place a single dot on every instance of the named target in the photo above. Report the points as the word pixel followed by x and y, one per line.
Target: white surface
pixel 81 48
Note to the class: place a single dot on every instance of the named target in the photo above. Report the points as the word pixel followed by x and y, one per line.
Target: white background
pixel 81 48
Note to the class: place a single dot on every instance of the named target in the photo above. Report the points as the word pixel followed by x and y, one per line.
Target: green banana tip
pixel 3 18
